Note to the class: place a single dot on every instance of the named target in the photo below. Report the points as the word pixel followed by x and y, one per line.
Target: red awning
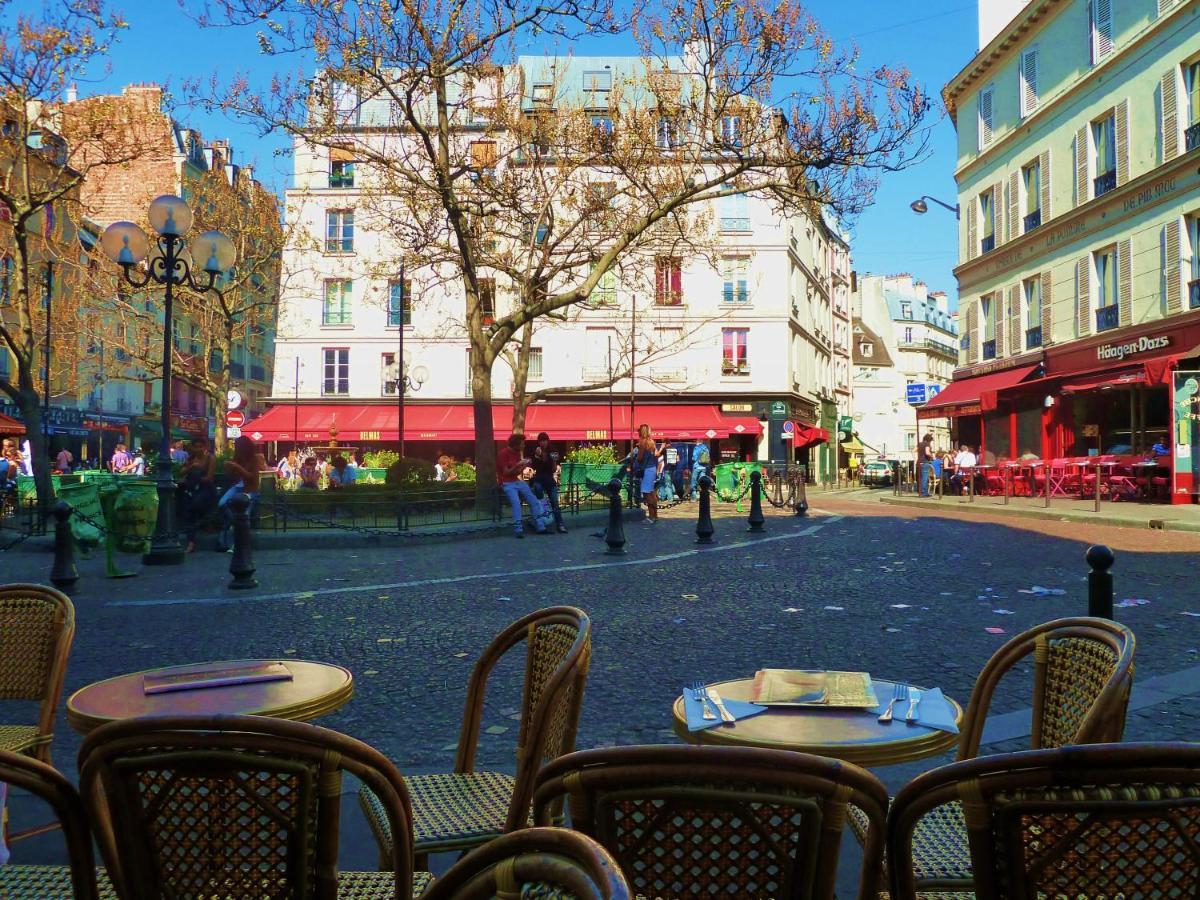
pixel 10 426
pixel 970 396
pixel 808 435
pixel 1106 380
pixel 570 422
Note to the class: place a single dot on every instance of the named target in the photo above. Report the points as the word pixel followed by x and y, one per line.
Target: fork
pixel 899 695
pixel 698 693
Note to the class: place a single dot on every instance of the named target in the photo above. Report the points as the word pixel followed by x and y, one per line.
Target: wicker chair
pixel 719 821
pixel 1082 675
pixel 78 880
pixel 37 625
pixel 534 863
pixel 229 807
pixel 466 808
pixel 1106 820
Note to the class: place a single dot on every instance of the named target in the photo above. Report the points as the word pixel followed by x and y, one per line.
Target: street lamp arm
pixel 140 282
pixel 918 206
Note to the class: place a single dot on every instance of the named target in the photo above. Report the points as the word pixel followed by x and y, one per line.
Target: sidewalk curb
pixel 1052 514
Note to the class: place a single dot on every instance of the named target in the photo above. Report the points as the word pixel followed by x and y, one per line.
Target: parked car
pixel 877 473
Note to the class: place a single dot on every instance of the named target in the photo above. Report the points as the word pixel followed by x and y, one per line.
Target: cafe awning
pixel 10 426
pixel 1103 381
pixel 971 396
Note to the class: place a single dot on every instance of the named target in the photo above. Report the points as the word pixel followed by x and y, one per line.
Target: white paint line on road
pixel 480 576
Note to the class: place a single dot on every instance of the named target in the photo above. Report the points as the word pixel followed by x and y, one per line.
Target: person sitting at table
pixel 1159 449
pixel 964 468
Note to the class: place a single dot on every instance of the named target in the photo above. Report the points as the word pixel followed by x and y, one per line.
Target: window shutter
pixel 1083 296
pixel 1102 13
pixel 1014 205
pixel 1171 239
pixel 1044 175
pixel 1170 116
pixel 1029 82
pixel 1001 322
pixel 985 117
pixel 998 212
pixel 1122 117
pixel 972 229
pixel 1016 343
pixel 1081 167
pixel 1125 281
pixel 1164 5
pixel 1047 311
pixel 972 342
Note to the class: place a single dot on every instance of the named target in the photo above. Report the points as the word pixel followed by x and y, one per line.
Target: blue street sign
pixel 916 393
pixel 932 390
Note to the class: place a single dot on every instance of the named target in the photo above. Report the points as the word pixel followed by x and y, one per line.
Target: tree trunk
pixel 485 438
pixel 521 380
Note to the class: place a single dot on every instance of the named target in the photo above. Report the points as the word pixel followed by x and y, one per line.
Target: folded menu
pixel 801 687
pixel 210 678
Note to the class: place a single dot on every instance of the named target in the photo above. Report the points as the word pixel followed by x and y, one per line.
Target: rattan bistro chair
pixel 534 864
pixel 1082 675
pixel 232 807
pixel 719 821
pixel 37 625
pixel 1105 820
pixel 78 880
pixel 466 808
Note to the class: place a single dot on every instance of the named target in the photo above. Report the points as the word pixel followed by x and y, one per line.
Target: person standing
pixel 63 461
pixel 925 463
pixel 199 488
pixel 137 464
pixel 546 467
pixel 285 469
pixel 510 463
pixel 645 469
pixel 119 461
pixel 247 466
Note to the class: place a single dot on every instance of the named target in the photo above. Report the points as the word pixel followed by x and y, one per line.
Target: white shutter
pixel 1082 167
pixel 1122 123
pixel 985 117
pixel 972 228
pixel 998 212
pixel 1164 5
pixel 1125 282
pixel 1083 295
pixel 1014 205
pixel 1016 330
pixel 1170 114
pixel 1001 322
pixel 1044 175
pixel 972 333
pixel 1047 310
pixel 1173 265
pixel 1102 30
pixel 1028 77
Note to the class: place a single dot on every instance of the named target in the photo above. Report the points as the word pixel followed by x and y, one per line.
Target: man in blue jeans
pixel 925 463
pixel 545 475
pixel 510 463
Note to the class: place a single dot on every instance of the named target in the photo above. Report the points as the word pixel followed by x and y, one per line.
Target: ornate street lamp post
pixel 170 264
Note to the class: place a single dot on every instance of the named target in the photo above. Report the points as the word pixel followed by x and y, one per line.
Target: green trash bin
pixel 134 514
pixel 86 501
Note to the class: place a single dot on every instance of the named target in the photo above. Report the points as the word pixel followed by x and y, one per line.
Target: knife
pixel 913 699
pixel 726 715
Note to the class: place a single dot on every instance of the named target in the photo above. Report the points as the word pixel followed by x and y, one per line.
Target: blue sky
pixel 934 40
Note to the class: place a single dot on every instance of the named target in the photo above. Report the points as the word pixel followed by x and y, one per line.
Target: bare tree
pixel 488 167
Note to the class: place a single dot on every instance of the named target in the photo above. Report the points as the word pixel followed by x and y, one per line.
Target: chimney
pixel 72 94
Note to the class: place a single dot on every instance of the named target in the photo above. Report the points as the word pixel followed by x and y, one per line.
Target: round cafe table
pixel 851 735
pixel 315 689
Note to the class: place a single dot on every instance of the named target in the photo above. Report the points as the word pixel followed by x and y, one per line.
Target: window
pixel 734 360
pixel 668 280
pixel 543 94
pixel 337 309
pixel 389 374
pixel 667 134
pixel 483 159
pixel 339 231
pixel 535 363
pixel 399 302
pixel 1104 139
pixel 985 116
pixel 731 131
pixel 337 371
pixel 605 291
pixel 1193 246
pixel 487 300
pixel 906 310
pixel 341 173
pixel 987 219
pixel 734 212
pixel 1028 78
pixel 1032 290
pixel 1105 262
pixel 1191 86
pixel 597 84
pixel 908 335
pixel 345 103
pixel 1100 29
pixel 1031 180
pixel 988 308
pixel 736 272
pixel 602 130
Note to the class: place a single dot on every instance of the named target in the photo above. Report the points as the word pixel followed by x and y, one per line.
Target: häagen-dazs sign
pixel 1143 344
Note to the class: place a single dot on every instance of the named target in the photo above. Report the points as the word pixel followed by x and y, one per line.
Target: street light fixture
pixel 170 264
pixel 920 207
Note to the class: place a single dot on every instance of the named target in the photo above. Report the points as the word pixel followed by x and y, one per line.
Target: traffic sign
pixel 233 432
pixel 233 399
pixel 915 393
pixel 235 418
pixel 932 390
pixel 789 427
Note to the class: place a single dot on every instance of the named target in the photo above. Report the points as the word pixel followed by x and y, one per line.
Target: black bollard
pixel 801 502
pixel 615 535
pixel 63 573
pixel 756 518
pixel 704 525
pixel 1100 583
pixel 242 565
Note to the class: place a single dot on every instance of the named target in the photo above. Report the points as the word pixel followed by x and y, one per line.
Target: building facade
pixel 1079 277
pixel 919 338
pixel 747 346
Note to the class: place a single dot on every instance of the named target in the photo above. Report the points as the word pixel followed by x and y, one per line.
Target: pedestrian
pixel 120 460
pixel 964 468
pixel 925 463
pixel 701 459
pixel 510 465
pixel 199 488
pixel 646 463
pixel 179 454
pixel 10 465
pixel 285 469
pixel 137 464
pixel 341 473
pixel 247 466
pixel 63 461
pixel 546 468
pixel 310 475
pixel 441 467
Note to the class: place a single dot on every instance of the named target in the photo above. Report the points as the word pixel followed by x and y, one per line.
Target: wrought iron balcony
pixel 1191 137
pixel 1033 219
pixel 1105 182
pixel 987 244
pixel 1108 317
pixel 989 349
pixel 1033 337
pixel 1194 294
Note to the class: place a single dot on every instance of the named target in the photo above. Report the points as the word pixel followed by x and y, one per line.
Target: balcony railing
pixel 1108 317
pixel 1194 294
pixel 987 244
pixel 732 368
pixel 1033 337
pixel 1033 219
pixel 933 346
pixel 1191 137
pixel 735 223
pixel 989 349
pixel 1105 182
pixel 668 373
pixel 595 374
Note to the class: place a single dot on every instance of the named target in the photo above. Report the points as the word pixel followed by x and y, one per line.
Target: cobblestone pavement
pixel 853 586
